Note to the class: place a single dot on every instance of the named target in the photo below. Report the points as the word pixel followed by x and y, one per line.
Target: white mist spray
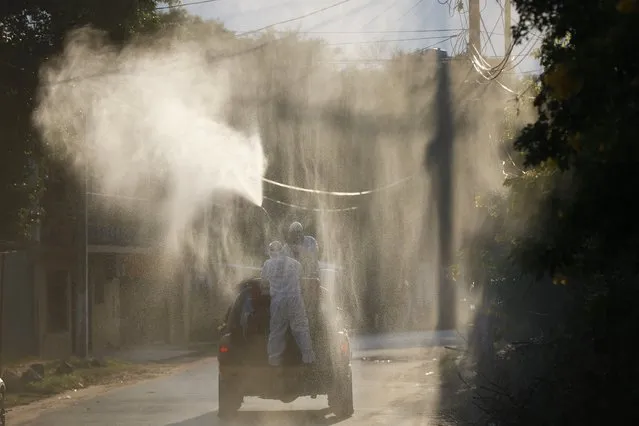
pixel 150 122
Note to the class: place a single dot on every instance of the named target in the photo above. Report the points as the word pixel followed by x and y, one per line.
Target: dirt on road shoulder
pixel 86 383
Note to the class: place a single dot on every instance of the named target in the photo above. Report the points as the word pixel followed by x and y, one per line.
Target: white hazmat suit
pixel 287 307
pixel 307 253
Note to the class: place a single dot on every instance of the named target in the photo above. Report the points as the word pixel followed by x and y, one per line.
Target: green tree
pixel 578 178
pixel 588 108
pixel 587 105
pixel 32 32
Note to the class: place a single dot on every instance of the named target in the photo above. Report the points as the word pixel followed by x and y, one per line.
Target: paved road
pixel 392 386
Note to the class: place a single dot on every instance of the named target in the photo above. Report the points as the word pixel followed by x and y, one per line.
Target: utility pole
pixel 85 263
pixel 82 276
pixel 439 159
pixel 474 27
pixel 1 306
pixel 508 32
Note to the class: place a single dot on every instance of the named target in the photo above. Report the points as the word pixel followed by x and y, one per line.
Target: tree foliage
pixel 587 126
pixel 32 32
pixel 562 240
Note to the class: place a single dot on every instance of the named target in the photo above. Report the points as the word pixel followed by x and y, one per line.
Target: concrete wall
pixel 158 312
pixel 105 317
pixel 53 343
pixel 19 332
pixel 26 305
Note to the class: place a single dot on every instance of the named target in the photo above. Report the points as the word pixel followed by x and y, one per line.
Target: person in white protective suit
pixel 287 306
pixel 303 248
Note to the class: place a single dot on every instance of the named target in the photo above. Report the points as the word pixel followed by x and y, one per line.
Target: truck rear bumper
pixel 276 382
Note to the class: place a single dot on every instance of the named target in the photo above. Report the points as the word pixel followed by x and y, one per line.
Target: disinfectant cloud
pixel 148 122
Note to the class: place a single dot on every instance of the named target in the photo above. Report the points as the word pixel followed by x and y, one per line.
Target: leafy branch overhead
pixel 587 125
pixel 31 33
pixel 558 251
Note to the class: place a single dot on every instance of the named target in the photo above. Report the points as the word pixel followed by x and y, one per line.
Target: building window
pixel 57 302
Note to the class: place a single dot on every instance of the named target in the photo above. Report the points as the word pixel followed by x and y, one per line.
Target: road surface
pixel 393 385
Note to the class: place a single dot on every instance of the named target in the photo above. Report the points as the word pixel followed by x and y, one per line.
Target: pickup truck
pixel 244 370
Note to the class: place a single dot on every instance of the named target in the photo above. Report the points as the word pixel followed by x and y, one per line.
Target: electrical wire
pixel 411 9
pixel 492 32
pixel 392 5
pixel 415 5
pixel 440 30
pixel 260 46
pixel 444 38
pixel 489 72
pixel 193 3
pixel 257 11
pixel 499 83
pixel 477 58
pixel 423 49
pixel 496 71
pixel 353 11
pixel 524 56
pixel 297 18
pixel 214 58
pixel 456 48
pixel 296 206
pixel 463 20
pixel 119 72
pixel 488 35
pixel 339 193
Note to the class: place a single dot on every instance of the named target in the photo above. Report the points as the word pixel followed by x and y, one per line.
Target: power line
pixel 381 13
pixel 400 18
pixel 446 38
pixel 488 35
pixel 452 8
pixel 260 46
pixel 353 11
pixel 254 48
pixel 193 3
pixel 438 43
pixel 439 30
pixel 338 193
pixel 296 206
pixel 411 9
pixel 297 18
pixel 119 72
pixel 525 55
pixel 250 50
pixel 218 57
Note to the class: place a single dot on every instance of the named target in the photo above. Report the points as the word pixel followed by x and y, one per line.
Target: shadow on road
pixel 266 418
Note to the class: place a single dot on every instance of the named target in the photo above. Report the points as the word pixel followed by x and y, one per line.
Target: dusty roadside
pixel 25 413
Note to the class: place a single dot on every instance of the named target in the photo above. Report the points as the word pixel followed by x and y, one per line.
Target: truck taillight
pixel 224 349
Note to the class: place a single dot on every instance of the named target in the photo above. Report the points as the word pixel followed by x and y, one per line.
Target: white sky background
pixel 370 30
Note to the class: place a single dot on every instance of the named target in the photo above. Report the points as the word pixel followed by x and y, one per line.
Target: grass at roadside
pixel 453 391
pixel 82 375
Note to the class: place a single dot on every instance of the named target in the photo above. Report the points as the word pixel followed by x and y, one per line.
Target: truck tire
pixel 340 396
pixel 229 399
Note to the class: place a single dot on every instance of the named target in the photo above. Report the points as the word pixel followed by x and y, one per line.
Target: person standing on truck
pixel 283 274
pixel 303 248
